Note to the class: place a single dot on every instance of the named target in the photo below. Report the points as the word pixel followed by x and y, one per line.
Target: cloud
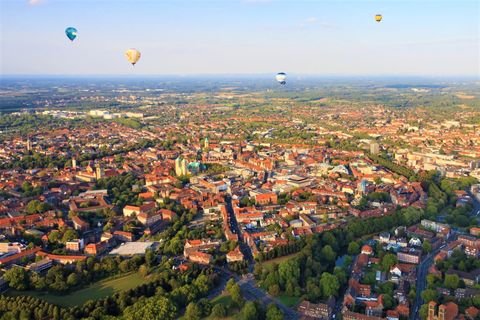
pixel 35 2
pixel 311 20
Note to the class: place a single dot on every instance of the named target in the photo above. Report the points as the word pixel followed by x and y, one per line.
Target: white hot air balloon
pixel 281 77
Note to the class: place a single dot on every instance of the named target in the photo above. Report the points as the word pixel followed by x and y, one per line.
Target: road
pixel 476 206
pixel 247 283
pixel 253 293
pixel 247 252
pixel 249 291
pixel 422 271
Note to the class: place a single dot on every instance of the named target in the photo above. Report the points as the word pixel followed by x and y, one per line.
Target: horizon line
pixel 261 74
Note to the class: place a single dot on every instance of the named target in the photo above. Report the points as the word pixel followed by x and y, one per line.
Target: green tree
pixel 328 254
pixel 427 247
pixel 423 312
pixel 154 308
pixel 353 248
pixel 273 313
pixel 149 257
pixel 32 206
pixel 329 285
pixel 69 235
pixel 429 295
pixel 143 270
pixel 249 311
pixel 193 312
pixel 17 278
pixel 54 236
pixel 432 280
pixel 451 281
pixel 218 311
pixel 72 279
pixel 274 290
pixel 388 301
pixel 388 261
pixel 236 294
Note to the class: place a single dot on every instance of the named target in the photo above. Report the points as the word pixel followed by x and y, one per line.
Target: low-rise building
pixel 409 255
pixel 75 245
pixel 235 255
pixel 41 265
pixel 200 257
pixel 79 224
pixel 96 248
pixel 320 311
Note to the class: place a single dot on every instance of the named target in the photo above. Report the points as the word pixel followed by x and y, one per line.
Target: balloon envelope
pixel 71 33
pixel 378 17
pixel 281 77
pixel 132 55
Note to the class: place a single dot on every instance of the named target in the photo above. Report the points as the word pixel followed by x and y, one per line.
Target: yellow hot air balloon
pixel 378 17
pixel 132 55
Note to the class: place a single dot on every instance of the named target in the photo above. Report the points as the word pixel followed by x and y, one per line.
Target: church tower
pixel 181 166
pixel 99 173
pixel 29 144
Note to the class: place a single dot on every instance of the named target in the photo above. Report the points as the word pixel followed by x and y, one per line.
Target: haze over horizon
pixel 322 38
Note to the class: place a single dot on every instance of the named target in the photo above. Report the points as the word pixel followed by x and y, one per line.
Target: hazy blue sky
pixel 422 37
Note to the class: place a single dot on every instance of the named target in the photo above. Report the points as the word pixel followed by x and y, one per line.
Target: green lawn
pixel 289 301
pixel 280 259
pixel 95 291
pixel 226 300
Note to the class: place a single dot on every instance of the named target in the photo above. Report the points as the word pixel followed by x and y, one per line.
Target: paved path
pixel 250 292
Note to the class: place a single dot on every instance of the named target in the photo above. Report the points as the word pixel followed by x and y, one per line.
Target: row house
pixel 75 245
pixel 235 255
pixel 200 257
pixel 96 248
pixel 147 208
pixel 199 245
pixel 79 224
pixel 318 311
pixel 123 236
pixel 409 255
pixel 18 257
pixel 149 218
pixel 40 266
pixel 62 259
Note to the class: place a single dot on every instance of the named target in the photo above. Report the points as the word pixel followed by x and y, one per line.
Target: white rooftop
pixel 132 248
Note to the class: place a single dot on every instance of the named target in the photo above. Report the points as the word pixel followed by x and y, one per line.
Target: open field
pixel 288 300
pixel 280 259
pixel 95 291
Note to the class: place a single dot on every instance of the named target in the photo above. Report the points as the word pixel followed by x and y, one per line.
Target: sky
pixel 180 37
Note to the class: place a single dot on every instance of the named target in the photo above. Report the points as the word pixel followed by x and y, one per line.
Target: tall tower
pixel 184 167
pixel 29 144
pixel 374 148
pixel 206 144
pixel 441 312
pixel 180 166
pixel 431 310
pixel 74 163
pixel 99 173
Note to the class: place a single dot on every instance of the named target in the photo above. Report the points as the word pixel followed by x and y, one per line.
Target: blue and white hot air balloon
pixel 281 77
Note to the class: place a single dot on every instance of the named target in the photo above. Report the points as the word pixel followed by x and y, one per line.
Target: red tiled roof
pixel 18 256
